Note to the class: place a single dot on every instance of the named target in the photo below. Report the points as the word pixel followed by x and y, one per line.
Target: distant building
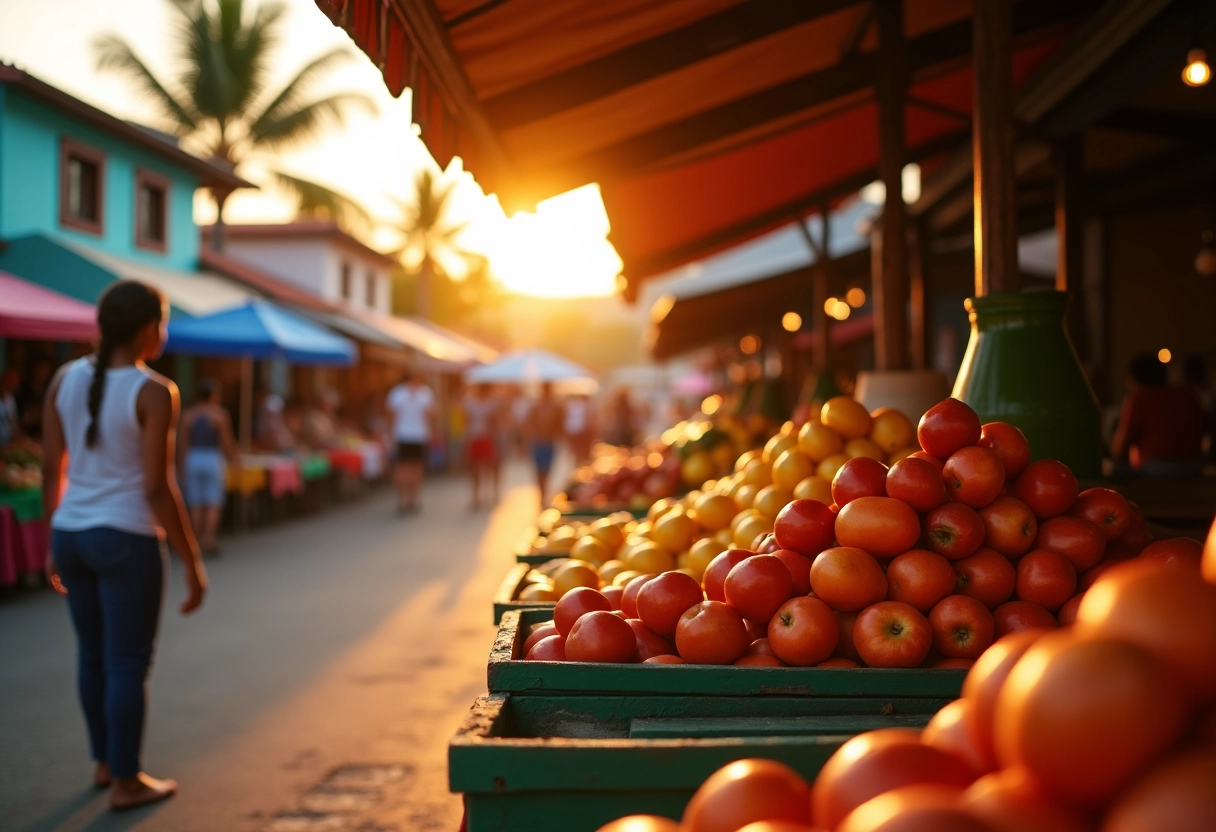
pixel 320 258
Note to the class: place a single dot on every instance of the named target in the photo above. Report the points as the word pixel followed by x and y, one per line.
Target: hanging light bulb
pixel 1197 72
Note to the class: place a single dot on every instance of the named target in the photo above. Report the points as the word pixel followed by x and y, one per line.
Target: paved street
pixel 316 690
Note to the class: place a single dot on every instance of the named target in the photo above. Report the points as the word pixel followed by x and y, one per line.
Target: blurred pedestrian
pixel 206 448
pixel 412 407
pixel 115 420
pixel 1160 427
pixel 544 429
pixel 482 417
pixel 580 427
pixel 520 408
pixel 10 422
pixel 31 395
pixel 622 419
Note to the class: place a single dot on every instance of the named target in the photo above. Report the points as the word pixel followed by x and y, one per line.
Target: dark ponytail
pixel 125 308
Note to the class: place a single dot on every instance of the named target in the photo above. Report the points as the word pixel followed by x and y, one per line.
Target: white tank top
pixel 105 482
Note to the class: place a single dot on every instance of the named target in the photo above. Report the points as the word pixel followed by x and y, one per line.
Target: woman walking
pixel 206 445
pixel 115 419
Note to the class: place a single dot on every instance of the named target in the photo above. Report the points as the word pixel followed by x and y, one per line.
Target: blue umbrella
pixel 259 330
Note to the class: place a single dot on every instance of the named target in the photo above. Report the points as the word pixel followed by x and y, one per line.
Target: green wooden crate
pixel 537 763
pixel 504 598
pixel 507 673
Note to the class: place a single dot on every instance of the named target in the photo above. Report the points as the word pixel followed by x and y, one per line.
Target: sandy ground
pixel 316 690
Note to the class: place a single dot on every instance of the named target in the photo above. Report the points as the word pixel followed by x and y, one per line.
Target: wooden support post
pixel 916 292
pixel 996 243
pixel 820 280
pixel 1070 217
pixel 890 289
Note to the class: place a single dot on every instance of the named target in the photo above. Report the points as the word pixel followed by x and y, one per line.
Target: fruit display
pixel 924 546
pixel 21 465
pixel 1104 725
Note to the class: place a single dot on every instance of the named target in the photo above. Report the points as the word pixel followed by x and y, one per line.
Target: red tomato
pixel 1176 794
pixel 757 586
pixel 614 594
pixel 983 683
pixel 875 763
pixel 953 530
pixel 755 630
pixel 1068 613
pixel 1086 579
pixel 859 477
pixel 806 526
pixel 986 576
pixel 799 567
pixel 662 600
pixel 847 578
pixel 759 660
pixel 838 662
pixel 768 544
pixel 882 526
pixel 803 632
pixel 747 791
pixel 664 660
pixel 715 574
pixel 649 643
pixel 1082 715
pixel 574 604
pixel 711 633
pixel 760 647
pixel 1013 616
pixel 939 464
pixel 919 578
pixel 962 627
pixel 1046 578
pixel 946 427
pixel 1048 486
pixel 1136 537
pixel 1106 509
pixel 1009 444
pixel 1009 801
pixel 1077 539
pixel 917 483
pixel 629 598
pixel 543 630
pixel 845 648
pixel 600 636
pixel 1009 526
pixel 921 808
pixel 1167 610
pixel 1181 551
pixel 548 649
pixel 641 823
pixel 891 634
pixel 973 476
pixel 953 730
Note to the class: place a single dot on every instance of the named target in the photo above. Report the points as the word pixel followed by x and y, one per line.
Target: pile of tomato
pixel 920 564
pixel 1105 724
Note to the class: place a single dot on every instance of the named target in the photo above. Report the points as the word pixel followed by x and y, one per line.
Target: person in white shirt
pixel 411 406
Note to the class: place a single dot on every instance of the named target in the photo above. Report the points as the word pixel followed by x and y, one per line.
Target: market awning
pixel 529 366
pixel 705 122
pixel 34 312
pixel 259 330
pixel 433 342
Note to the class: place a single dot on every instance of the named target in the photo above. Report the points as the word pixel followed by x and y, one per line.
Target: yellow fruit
pixel 575 574
pixel 846 416
pixel 741 516
pixel 661 507
pixel 828 468
pixel 787 429
pixel 564 533
pixel 690 499
pixel 538 592
pixel 751 528
pixel 625 577
pixel 703 551
pixel 610 570
pixel 746 495
pixel 674 531
pixel 651 557
pixel 791 468
pixel 758 473
pixel 708 486
pixel 608 531
pixel 774 447
pixel 818 441
pixel 723 455
pixel 699 467
pixel 592 550
pixel 551 566
pixel 744 459
pixel 714 511
pixel 902 453
pixel 814 488
pixel 561 544
pixel 726 537
pixel 771 499
pixel 733 485
pixel 642 529
pixel 863 447
pixel 891 430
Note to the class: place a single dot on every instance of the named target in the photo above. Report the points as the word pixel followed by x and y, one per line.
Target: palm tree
pixel 219 100
pixel 431 244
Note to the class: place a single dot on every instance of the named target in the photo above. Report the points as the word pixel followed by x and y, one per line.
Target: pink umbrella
pixel 37 313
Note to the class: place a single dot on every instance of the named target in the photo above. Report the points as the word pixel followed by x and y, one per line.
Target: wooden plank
pixel 996 250
pixel 508 590
pixel 771 726
pixel 890 289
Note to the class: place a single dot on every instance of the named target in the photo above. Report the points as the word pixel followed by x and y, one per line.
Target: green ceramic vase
pixel 1021 367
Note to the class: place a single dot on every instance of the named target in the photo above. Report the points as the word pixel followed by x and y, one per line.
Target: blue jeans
pixel 116 583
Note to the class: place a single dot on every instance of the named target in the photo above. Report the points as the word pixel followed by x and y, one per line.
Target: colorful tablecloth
pixel 285 477
pixel 315 466
pixel 26 503
pixel 23 546
pixel 246 479
pixel 375 459
pixel 347 461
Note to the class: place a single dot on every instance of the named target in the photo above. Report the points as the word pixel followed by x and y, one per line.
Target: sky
pixel 561 250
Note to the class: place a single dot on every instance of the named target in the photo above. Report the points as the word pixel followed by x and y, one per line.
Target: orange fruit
pixel 902 453
pixel 745 495
pixel 828 467
pixel 771 499
pixel 610 570
pixel 745 458
pixel 891 430
pixel 863 447
pixel 591 549
pixel 714 511
pixel 650 557
pixel 758 473
pixel 674 531
pixel 818 441
pixel 751 528
pixel 575 574
pixel 814 488
pixel 704 551
pixel 538 592
pixel 791 468
pixel 846 416
pixel 775 446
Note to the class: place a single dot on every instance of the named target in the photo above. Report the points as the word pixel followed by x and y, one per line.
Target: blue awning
pixel 259 330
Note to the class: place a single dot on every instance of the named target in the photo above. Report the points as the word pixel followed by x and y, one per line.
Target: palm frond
pixel 248 48
pixel 305 121
pixel 114 53
pixel 289 97
pixel 316 201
